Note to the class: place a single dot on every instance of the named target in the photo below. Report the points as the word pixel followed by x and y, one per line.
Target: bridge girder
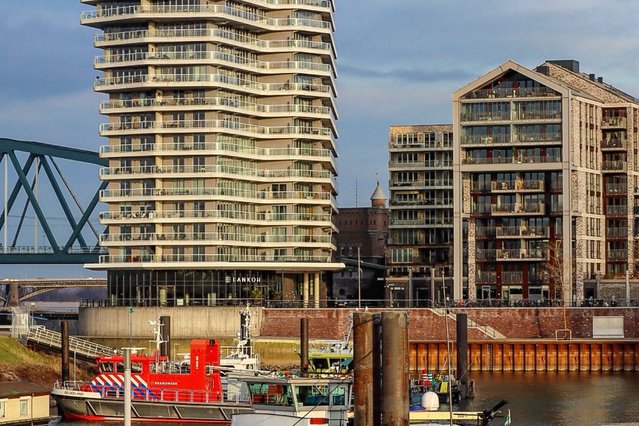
pixel 71 248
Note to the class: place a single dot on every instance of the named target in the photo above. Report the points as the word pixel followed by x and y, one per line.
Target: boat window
pixel 312 395
pixel 136 367
pixel 106 367
pixel 271 394
pixel 338 395
pixel 319 364
pixel 119 367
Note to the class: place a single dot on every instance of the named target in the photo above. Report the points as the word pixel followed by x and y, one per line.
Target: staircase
pixel 81 347
pixel 474 325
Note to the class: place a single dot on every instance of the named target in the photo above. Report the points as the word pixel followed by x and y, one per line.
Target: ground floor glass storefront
pixel 193 287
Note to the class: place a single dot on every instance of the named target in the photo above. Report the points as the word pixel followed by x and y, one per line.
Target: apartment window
pixel 198 141
pixel 402 255
pixel 198 253
pixel 125 187
pixel 407 157
pixel 125 143
pixel 24 406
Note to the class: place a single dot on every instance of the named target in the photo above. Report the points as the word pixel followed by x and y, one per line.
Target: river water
pixel 555 398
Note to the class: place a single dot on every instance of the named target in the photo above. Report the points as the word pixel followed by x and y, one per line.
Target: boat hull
pixel 86 406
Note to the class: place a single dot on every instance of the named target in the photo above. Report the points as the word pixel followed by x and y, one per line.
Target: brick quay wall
pixel 430 324
pixel 329 323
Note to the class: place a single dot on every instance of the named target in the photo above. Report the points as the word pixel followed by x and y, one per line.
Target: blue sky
pixel 404 72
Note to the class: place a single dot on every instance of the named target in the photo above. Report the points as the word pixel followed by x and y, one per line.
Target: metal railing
pixel 41 335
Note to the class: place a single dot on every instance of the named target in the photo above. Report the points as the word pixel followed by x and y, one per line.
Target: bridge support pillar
pixel 13 299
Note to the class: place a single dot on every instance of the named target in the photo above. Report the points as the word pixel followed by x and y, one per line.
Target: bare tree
pixel 559 277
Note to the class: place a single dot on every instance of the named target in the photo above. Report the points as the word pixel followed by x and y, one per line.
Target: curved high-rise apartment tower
pixel 220 128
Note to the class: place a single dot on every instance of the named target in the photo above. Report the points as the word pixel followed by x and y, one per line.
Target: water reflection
pixel 560 398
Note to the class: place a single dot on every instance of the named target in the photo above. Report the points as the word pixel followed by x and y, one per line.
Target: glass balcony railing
pixel 217 169
pixel 171 237
pixel 214 258
pixel 236 60
pixel 199 125
pixel 614 166
pixel 106 194
pixel 254 42
pixel 513 159
pixel 196 103
pixel 110 12
pixel 521 254
pixel 220 79
pixel 206 215
pixel 171 147
pixel 510 93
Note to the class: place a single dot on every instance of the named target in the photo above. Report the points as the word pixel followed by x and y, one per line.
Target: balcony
pixel 170 194
pixel 528 138
pixel 614 122
pixel 537 115
pixel 250 42
pixel 144 81
pixel 616 188
pixel 214 258
pixel 614 144
pixel 190 238
pixel 621 210
pixel 223 103
pixel 617 233
pixel 140 172
pixel 468 140
pixel 109 14
pixel 487 277
pixel 504 232
pixel 485 254
pixel 616 166
pixel 179 216
pixel 198 126
pixel 171 148
pixel 514 209
pixel 521 254
pixel 617 255
pixel 206 57
pixel 512 277
pixel 536 159
pixel 483 116
pixel 510 93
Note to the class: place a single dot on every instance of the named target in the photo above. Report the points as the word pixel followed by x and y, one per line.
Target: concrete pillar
pixel 316 289
pixel 395 393
pixel 13 299
pixel 304 345
pixel 305 290
pixel 364 373
pixel 64 332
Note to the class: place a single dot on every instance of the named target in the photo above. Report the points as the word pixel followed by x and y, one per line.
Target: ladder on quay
pixel 81 347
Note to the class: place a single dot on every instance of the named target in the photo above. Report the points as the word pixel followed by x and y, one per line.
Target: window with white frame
pixel 24 406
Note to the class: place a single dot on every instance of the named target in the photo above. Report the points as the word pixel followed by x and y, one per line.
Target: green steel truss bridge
pixel 43 219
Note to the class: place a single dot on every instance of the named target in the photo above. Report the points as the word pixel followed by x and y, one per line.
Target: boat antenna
pixel 244 336
pixel 157 335
pixel 448 349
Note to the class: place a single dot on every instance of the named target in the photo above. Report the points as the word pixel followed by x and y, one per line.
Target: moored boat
pixel 291 400
pixel 188 391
